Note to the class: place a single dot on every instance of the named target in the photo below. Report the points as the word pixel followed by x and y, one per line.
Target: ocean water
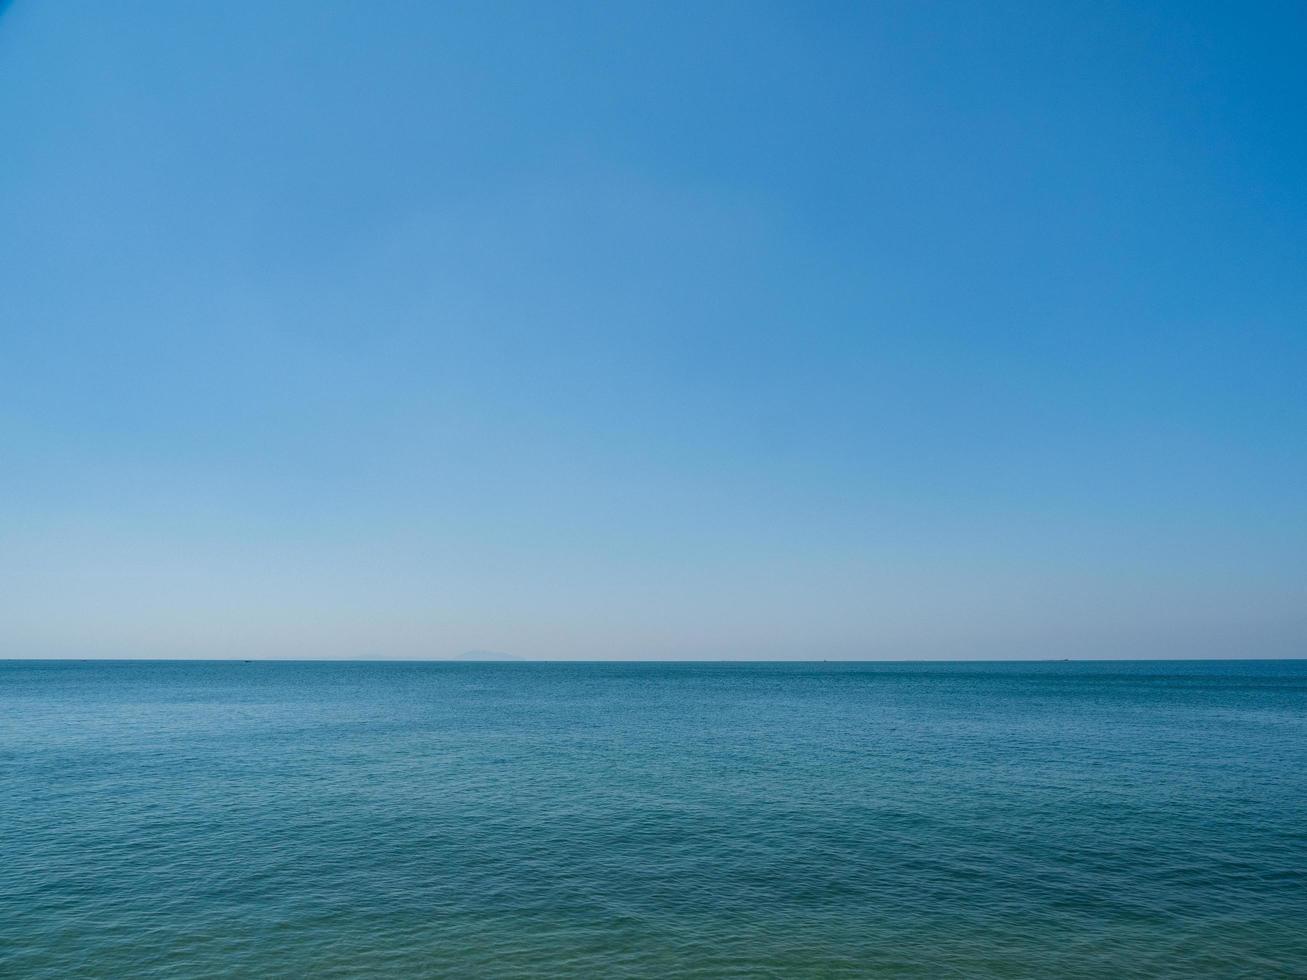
pixel 608 820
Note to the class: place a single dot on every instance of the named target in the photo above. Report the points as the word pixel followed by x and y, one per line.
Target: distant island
pixel 486 655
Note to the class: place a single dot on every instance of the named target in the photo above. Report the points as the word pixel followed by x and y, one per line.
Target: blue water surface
pixel 653 819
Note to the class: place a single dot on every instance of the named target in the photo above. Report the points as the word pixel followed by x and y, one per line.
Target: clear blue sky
pixel 669 330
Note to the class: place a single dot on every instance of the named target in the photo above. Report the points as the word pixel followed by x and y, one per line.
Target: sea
pixel 441 819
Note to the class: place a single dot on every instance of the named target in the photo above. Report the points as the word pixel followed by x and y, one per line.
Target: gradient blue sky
pixel 883 330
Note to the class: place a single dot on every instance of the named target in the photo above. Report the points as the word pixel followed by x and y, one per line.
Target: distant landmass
pixel 486 655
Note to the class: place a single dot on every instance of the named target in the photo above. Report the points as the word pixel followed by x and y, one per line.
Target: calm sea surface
pixel 788 820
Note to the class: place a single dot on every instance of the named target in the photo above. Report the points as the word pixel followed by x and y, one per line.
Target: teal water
pixel 788 820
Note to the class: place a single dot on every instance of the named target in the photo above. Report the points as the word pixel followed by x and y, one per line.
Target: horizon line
pixel 652 660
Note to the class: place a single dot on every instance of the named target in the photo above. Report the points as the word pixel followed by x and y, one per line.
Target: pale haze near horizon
pixel 775 331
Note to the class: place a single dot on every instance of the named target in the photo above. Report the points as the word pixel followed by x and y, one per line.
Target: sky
pixel 886 330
